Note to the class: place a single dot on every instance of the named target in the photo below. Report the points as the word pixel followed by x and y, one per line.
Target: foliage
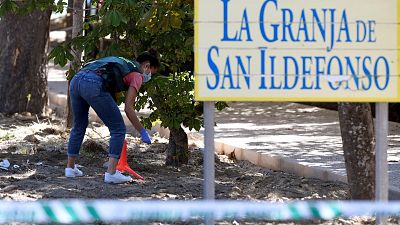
pixel 171 101
pixel 127 28
pixel 26 7
pixel 7 137
pixel 173 98
pixel 131 27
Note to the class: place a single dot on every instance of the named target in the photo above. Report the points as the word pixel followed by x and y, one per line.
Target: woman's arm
pixel 130 112
pixel 130 108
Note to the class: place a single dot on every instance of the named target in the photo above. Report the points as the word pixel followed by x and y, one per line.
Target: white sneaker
pixel 75 172
pixel 116 178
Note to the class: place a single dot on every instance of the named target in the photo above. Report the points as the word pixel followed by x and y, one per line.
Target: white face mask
pixel 146 77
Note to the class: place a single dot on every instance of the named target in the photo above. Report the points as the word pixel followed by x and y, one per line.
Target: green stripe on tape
pixel 315 211
pixel 71 212
pixel 93 212
pixel 336 210
pixel 294 213
pixel 50 213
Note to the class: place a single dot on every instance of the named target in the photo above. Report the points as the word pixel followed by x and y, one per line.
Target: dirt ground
pixel 36 148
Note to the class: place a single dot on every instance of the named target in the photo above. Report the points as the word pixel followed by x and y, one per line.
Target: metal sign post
pixel 208 158
pixel 381 169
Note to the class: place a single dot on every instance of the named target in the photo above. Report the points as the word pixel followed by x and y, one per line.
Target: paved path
pixel 56 80
pixel 298 133
pixel 305 134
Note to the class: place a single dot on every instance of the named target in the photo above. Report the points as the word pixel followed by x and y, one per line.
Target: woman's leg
pixel 110 114
pixel 80 110
pixel 112 165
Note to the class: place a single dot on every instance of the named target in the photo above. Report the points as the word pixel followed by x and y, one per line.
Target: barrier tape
pixel 82 211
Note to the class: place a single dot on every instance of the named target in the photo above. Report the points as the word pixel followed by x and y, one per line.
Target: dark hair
pixel 151 55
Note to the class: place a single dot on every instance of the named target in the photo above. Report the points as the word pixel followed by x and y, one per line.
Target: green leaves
pixel 131 3
pixel 115 18
pixel 8 6
pixel 172 101
pixel 61 55
pixel 176 20
pixel 59 6
pixel 25 7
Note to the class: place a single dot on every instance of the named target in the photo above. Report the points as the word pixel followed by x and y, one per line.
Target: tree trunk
pixel 70 14
pixel 23 60
pixel 178 149
pixel 77 27
pixel 357 130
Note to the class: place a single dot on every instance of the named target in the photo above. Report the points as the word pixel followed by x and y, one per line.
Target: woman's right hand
pixel 145 136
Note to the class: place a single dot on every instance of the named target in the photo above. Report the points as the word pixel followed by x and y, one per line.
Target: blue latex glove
pixel 145 136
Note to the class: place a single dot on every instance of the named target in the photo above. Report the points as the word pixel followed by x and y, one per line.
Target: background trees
pixel 23 59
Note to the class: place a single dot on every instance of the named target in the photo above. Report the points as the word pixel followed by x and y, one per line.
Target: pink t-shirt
pixel 134 79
